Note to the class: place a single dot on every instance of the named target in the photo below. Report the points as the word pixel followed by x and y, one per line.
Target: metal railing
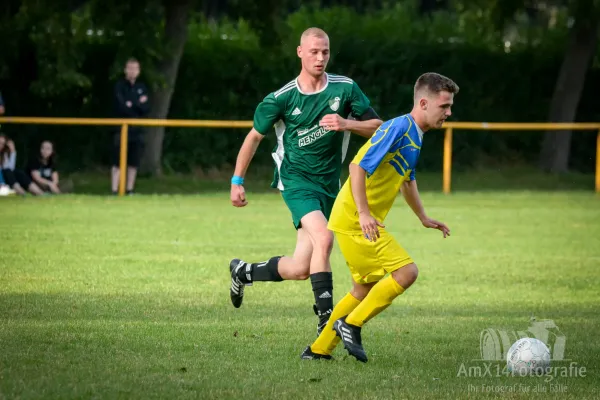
pixel 448 128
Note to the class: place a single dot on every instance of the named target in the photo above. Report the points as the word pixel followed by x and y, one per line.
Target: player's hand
pixel 238 196
pixel 370 226
pixel 333 122
pixel 432 223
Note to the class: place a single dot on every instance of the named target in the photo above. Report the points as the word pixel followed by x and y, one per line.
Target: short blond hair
pixel 316 32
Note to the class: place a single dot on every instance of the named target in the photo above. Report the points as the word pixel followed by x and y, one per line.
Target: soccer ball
pixel 528 356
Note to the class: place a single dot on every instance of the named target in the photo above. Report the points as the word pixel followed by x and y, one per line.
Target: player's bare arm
pixel 253 139
pixel 412 198
pixel 365 126
pixel 369 225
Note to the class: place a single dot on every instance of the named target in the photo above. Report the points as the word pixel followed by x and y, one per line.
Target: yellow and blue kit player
pixel 384 166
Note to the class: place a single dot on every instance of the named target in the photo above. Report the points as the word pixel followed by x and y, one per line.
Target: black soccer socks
pixel 264 271
pixel 322 285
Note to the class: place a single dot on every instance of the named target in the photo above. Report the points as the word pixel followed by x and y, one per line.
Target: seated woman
pixel 4 189
pixel 16 179
pixel 42 169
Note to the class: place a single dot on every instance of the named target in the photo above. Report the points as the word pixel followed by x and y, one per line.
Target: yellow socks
pixel 378 299
pixel 327 340
pixel 357 312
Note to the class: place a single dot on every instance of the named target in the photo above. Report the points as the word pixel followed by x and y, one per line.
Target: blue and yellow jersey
pixel 389 158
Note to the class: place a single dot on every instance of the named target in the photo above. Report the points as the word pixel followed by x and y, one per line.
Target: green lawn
pixel 105 297
pixel 516 178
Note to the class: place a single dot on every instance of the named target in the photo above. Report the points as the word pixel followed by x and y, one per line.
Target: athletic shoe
pixel 350 336
pixel 308 354
pixel 236 291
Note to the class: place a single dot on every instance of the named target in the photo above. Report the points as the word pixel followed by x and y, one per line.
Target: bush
pixel 225 72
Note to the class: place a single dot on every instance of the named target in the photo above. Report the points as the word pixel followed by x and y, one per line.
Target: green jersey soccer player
pixel 311 116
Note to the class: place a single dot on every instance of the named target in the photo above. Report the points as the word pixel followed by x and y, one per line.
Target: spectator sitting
pixel 4 189
pixel 16 179
pixel 42 169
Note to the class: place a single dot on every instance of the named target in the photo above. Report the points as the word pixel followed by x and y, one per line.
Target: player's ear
pixel 423 103
pixel 299 51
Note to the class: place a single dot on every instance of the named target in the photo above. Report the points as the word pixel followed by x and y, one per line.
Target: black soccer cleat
pixel 323 319
pixel 308 354
pixel 350 336
pixel 236 291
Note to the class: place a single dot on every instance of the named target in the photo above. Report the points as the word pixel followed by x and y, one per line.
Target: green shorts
pixel 303 201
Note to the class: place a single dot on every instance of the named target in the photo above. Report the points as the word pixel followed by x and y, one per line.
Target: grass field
pixel 104 297
pixel 517 178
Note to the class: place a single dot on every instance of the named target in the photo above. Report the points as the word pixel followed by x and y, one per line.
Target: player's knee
pixel 302 272
pixel 406 275
pixel 411 273
pixel 302 275
pixel 323 242
pixel 359 292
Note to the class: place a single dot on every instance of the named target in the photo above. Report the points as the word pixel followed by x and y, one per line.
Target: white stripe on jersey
pixel 341 80
pixel 348 82
pixel 336 76
pixel 279 154
pixel 282 91
pixel 286 86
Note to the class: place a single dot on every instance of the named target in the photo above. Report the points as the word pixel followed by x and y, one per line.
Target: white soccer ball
pixel 528 356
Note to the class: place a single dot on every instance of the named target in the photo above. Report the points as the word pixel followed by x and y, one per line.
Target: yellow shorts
pixel 371 261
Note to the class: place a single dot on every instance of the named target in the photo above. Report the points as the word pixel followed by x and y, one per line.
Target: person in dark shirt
pixel 42 169
pixel 2 182
pixel 1 105
pixel 131 101
pixel 17 179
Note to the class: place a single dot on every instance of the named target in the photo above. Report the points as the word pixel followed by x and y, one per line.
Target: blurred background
pixel 515 61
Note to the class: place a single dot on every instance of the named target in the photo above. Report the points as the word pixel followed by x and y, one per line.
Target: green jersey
pixel 307 155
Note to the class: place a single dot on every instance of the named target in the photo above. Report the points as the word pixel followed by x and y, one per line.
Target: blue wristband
pixel 237 180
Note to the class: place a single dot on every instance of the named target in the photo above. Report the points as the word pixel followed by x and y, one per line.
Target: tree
pixel 58 37
pixel 175 35
pixel 583 37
